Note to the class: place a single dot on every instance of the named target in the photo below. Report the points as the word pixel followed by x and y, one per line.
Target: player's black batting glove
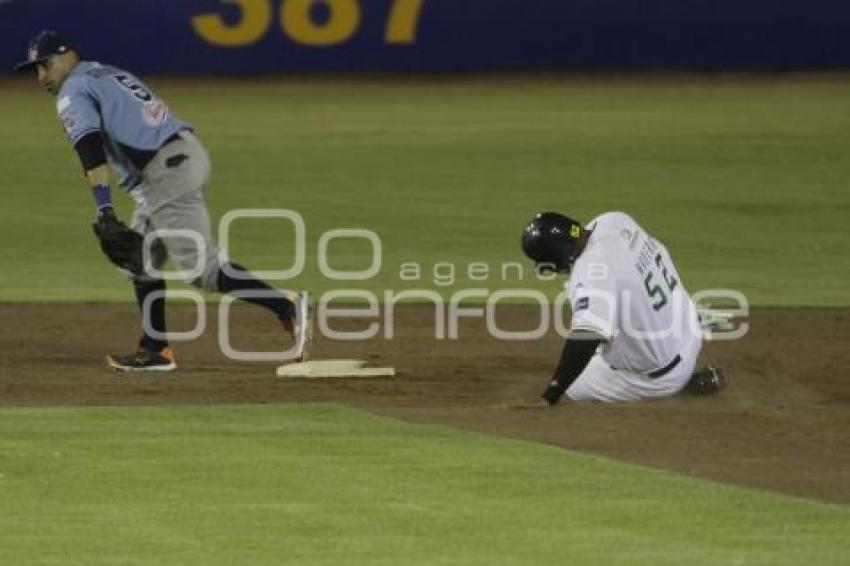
pixel 121 245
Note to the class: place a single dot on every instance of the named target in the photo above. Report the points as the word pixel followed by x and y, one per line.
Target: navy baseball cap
pixel 46 44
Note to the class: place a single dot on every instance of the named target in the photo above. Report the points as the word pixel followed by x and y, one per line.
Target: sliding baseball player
pixel 635 333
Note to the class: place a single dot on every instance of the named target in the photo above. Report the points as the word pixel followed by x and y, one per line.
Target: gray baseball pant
pixel 173 197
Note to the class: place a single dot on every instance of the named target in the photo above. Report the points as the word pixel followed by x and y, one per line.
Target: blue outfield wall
pixel 259 36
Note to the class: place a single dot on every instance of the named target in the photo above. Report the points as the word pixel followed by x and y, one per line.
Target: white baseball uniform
pixel 625 288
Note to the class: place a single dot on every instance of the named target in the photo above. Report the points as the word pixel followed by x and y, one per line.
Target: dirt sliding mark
pixel 783 424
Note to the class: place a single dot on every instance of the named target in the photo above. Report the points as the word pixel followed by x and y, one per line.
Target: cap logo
pixel 32 54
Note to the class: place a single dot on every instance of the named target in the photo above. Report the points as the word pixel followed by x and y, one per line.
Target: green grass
pixel 326 485
pixel 745 179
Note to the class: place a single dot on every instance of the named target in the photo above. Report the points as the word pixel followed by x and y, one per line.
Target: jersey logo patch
pixel 154 112
pixel 63 104
pixel 582 303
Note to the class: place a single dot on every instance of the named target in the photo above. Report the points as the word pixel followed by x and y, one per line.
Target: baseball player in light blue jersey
pixel 113 119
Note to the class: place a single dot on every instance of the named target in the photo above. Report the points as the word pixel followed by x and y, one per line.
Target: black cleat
pixel 143 360
pixel 705 382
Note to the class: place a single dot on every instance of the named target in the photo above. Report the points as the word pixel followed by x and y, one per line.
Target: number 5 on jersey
pixel 655 291
pixel 135 88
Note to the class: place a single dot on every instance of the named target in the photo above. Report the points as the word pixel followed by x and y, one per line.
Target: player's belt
pixel 171 138
pixel 141 158
pixel 174 137
pixel 666 369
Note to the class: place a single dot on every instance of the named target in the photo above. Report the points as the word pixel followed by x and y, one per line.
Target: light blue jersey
pixel 133 121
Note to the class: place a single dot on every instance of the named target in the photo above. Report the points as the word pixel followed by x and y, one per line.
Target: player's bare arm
pixel 52 73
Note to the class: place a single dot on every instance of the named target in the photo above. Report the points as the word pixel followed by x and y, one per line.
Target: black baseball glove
pixel 121 245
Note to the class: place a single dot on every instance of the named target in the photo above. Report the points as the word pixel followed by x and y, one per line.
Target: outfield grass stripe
pixel 744 180
pixel 328 485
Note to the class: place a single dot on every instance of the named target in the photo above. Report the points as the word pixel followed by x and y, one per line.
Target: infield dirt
pixel 782 424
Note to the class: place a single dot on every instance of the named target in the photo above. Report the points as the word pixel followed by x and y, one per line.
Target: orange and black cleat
pixel 143 360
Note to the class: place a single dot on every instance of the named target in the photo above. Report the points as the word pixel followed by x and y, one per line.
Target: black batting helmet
pixel 551 240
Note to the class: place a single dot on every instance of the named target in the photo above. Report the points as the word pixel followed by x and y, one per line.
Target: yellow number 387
pixel 298 24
